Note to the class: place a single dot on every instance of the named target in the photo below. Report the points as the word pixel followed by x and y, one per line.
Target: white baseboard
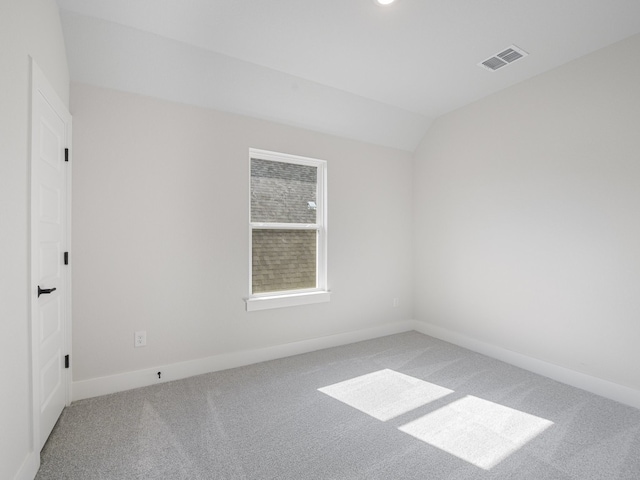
pixel 29 467
pixel 141 378
pixel 604 388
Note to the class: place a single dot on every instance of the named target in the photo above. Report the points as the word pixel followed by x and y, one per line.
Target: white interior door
pixel 50 276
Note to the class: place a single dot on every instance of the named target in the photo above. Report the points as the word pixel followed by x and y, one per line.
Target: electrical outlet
pixel 140 339
pixel 396 302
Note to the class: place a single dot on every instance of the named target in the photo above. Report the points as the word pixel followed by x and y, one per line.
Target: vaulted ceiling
pixel 345 67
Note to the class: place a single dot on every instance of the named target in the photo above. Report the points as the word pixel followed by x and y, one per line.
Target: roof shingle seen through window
pixel 281 192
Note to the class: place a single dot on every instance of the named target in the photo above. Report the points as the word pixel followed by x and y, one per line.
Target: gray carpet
pixel 405 406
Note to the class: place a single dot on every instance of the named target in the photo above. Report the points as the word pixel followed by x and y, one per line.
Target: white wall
pixel 27 28
pixel 161 239
pixel 103 54
pixel 527 218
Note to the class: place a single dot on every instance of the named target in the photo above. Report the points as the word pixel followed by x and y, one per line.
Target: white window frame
pixel 288 298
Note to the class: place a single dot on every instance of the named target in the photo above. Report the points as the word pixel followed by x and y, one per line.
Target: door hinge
pixel 66 361
pixel 66 258
pixel 66 154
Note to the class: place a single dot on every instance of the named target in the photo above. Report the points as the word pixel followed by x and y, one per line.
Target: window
pixel 288 230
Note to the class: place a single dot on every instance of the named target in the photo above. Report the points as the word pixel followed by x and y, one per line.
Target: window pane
pixel 283 192
pixel 283 260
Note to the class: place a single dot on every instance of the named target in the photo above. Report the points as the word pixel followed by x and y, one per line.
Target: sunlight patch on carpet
pixel 478 431
pixel 385 394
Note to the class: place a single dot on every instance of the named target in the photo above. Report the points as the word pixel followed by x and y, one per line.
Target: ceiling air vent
pixel 503 58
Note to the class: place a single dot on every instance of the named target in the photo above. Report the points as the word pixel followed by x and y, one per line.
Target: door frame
pixel 41 86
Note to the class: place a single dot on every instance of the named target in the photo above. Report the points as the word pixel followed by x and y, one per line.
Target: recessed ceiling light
pixel 383 2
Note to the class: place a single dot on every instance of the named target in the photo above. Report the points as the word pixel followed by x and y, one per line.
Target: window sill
pixel 290 300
